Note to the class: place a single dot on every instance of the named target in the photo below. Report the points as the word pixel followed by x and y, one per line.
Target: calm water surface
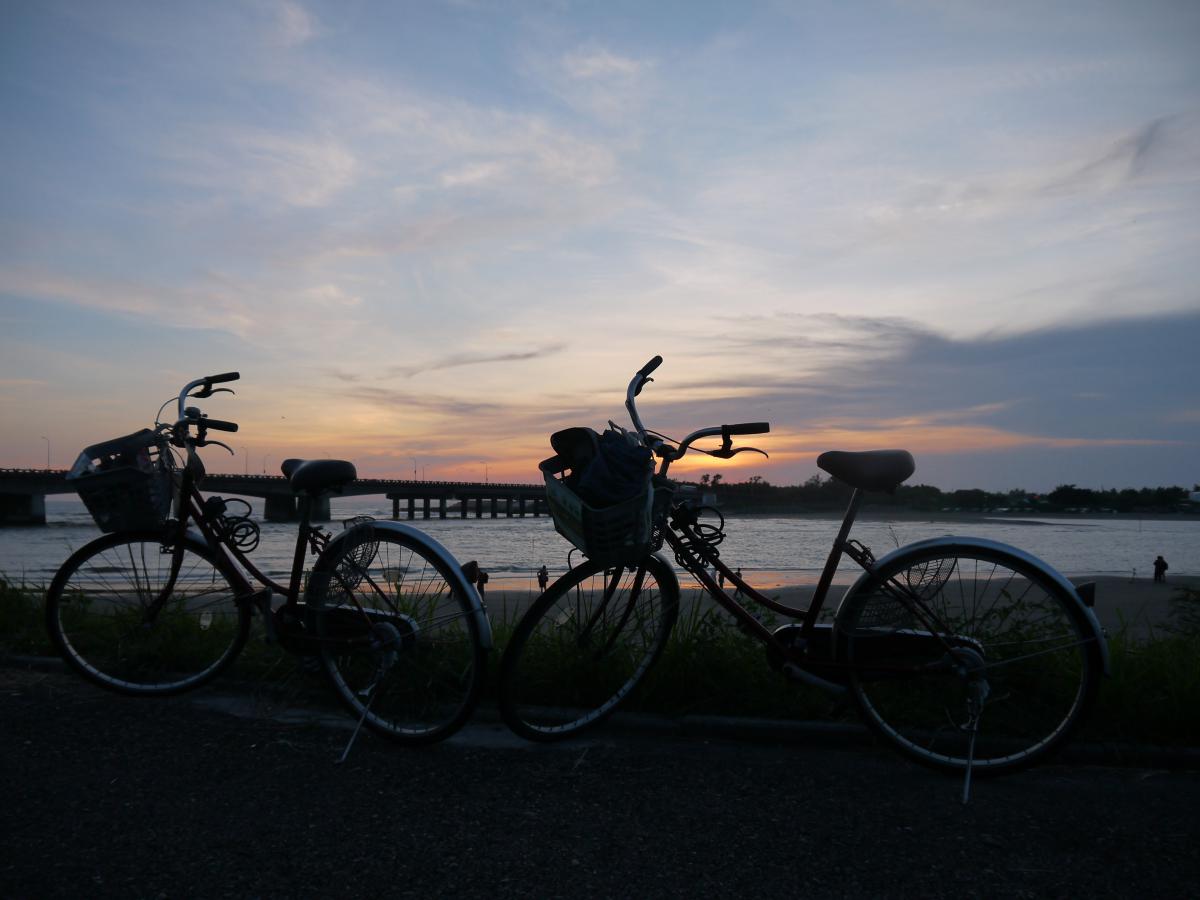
pixel 795 548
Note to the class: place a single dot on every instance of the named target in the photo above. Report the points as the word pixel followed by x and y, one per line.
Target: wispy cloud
pixel 458 360
pixel 295 24
pixel 600 63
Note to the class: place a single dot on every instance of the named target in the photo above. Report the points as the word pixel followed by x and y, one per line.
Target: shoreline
pixel 887 514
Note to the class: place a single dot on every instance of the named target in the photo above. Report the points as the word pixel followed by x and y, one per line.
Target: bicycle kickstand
pixel 357 729
pixel 979 695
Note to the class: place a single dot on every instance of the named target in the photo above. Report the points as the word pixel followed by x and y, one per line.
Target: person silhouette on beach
pixel 1160 569
pixel 481 582
pixel 738 588
pixel 543 579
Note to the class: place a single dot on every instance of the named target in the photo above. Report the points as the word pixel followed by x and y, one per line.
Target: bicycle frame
pixel 236 563
pixel 682 539
pixel 678 534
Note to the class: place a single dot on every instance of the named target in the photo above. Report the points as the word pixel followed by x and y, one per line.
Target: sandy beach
pixel 1138 604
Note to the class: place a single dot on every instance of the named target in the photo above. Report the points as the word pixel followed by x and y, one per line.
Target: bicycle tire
pixel 548 689
pixel 97 607
pixel 1003 678
pixel 397 634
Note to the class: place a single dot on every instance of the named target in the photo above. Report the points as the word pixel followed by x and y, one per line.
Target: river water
pixel 777 549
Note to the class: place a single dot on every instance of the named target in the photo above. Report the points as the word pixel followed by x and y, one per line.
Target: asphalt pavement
pixel 235 795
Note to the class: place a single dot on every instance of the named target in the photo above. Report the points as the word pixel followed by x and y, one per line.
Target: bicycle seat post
pixel 304 514
pixel 831 564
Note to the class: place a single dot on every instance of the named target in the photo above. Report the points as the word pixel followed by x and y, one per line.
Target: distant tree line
pixel 817 493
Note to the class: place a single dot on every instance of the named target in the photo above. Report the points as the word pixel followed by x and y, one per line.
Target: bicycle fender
pixel 452 564
pixel 953 544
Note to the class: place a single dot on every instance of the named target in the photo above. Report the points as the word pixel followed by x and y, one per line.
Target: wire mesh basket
pixel 359 548
pixel 610 535
pixel 126 483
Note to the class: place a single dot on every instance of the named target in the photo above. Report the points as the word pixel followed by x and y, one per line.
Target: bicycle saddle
pixel 870 470
pixel 317 476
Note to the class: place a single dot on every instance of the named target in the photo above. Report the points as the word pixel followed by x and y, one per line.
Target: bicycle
pixel 964 654
pixel 162 605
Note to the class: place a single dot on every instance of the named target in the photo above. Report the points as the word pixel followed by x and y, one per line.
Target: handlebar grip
pixel 227 376
pixel 748 428
pixel 218 425
pixel 649 367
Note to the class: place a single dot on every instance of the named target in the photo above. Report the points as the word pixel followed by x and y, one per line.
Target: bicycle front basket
pixel 125 483
pixel 610 535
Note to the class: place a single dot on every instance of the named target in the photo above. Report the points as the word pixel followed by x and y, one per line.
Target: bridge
pixel 23 495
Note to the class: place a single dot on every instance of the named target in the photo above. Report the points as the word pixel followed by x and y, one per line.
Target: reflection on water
pixel 778 550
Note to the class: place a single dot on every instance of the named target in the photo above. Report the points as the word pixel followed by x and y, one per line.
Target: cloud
pixel 295 25
pixel 242 163
pixel 458 360
pixel 1111 384
pixel 596 63
pixel 275 316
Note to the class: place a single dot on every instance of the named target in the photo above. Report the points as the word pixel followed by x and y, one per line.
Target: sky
pixel 429 234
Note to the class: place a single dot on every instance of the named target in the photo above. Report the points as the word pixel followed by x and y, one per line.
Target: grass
pixel 1154 692
pixel 710 667
pixel 22 625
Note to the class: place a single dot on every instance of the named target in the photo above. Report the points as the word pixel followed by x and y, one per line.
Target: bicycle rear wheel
pixel 397 634
pixel 138 619
pixel 967 652
pixel 584 645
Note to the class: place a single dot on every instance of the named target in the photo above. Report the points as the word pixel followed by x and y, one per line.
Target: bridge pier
pixel 441 507
pixel 464 504
pixel 425 509
pixel 279 508
pixel 22 509
pixel 479 507
pixel 283 508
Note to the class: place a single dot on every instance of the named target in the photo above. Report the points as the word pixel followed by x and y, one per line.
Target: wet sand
pixel 1138 604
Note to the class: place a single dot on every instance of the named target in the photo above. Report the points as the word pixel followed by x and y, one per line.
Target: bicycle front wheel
pixel 968 652
pixel 397 634
pixel 136 617
pixel 584 645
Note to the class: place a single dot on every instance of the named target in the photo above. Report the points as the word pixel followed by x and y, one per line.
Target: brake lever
pixel 207 443
pixel 728 452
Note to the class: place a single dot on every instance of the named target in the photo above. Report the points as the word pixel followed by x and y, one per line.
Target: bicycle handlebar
pixel 725 431
pixel 192 416
pixel 746 428
pixel 635 388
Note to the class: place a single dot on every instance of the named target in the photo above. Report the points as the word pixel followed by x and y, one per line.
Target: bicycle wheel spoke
pixel 584 645
pixel 1005 631
pixel 99 615
pixel 398 636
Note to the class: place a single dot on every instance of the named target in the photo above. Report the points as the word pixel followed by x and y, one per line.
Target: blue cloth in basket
pixel 619 471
